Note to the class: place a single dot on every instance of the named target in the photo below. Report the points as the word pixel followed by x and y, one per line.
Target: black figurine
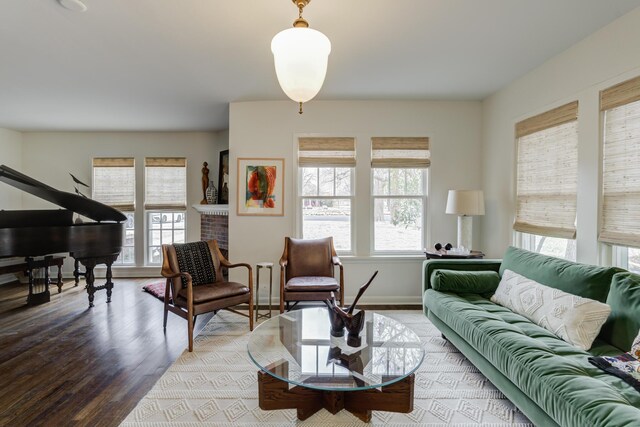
pixel 340 319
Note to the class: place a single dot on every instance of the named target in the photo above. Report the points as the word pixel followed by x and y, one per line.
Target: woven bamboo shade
pixel 620 94
pixel 114 182
pixel 547 179
pixel 326 152
pixel 170 162
pixel 620 213
pixel 552 118
pixel 397 152
pixel 114 162
pixel 165 183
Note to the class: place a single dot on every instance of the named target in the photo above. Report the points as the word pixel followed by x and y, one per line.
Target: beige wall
pixel 10 198
pixel 605 58
pixel 10 155
pixel 269 129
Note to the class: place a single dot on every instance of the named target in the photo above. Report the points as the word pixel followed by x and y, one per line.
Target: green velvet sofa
pixel 549 380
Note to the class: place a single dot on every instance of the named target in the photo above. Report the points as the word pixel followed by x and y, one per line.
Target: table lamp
pixel 465 204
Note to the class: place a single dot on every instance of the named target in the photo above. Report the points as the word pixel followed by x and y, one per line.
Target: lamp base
pixel 465 234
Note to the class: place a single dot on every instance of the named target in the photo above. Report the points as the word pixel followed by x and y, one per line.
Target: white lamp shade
pixel 301 56
pixel 465 202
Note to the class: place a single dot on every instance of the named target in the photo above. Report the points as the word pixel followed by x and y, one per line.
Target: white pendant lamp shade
pixel 301 56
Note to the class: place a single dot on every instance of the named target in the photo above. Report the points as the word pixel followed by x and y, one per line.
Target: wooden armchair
pixel 195 283
pixel 307 271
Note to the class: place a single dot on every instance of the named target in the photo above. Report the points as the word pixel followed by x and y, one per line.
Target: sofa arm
pixel 430 265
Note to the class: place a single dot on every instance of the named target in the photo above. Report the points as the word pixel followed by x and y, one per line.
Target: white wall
pixel 52 155
pixel 268 129
pixel 607 57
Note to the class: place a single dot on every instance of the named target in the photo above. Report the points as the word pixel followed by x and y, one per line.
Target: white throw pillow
pixel 574 319
pixel 635 348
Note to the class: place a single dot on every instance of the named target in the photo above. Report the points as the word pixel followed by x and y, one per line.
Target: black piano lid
pixel 73 202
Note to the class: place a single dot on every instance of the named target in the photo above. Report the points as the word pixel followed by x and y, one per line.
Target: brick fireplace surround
pixel 214 224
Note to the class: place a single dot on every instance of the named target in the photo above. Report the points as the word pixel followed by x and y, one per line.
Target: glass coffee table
pixel 303 367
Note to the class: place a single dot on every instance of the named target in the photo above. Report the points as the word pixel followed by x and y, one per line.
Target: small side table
pixel 432 253
pixel 262 265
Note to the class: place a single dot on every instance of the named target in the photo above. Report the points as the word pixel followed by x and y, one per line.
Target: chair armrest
pixel 242 264
pixel 174 275
pixel 336 260
pixel 283 262
pixel 429 266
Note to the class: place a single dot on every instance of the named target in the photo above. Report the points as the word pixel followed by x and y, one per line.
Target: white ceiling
pixel 176 64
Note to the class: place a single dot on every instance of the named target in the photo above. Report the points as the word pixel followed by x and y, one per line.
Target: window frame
pixel 373 197
pixel 164 208
pixel 352 198
pixel 148 230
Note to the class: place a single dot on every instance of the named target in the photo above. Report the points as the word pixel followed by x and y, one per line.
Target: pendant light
pixel 300 55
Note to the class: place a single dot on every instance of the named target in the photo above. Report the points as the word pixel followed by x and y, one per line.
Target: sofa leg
pixel 443 337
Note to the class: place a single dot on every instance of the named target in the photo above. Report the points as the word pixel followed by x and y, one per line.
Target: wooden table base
pixel 274 393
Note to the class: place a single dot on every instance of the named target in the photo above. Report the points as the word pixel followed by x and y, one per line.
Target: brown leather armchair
pixel 307 271
pixel 195 283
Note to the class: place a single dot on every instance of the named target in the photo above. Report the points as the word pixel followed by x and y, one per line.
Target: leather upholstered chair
pixel 195 283
pixel 307 271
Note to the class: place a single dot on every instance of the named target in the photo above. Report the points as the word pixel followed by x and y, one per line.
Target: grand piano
pixel 34 233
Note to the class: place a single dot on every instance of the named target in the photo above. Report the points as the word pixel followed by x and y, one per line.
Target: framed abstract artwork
pixel 261 187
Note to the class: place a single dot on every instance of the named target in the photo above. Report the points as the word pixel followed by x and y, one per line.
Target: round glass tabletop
pixel 297 347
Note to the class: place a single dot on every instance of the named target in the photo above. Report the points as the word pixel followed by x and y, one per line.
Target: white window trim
pixel 352 197
pixel 425 201
pixel 147 231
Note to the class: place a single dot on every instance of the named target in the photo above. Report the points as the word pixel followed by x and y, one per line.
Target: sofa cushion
pixel 553 373
pixel 575 319
pixel 475 282
pixel 624 321
pixel 587 281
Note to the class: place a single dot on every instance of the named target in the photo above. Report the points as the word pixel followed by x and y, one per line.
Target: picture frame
pixel 260 186
pixel 223 178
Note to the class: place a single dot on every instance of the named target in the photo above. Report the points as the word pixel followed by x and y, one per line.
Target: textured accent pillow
pixel 635 348
pixel 574 319
pixel 195 259
pixel 470 282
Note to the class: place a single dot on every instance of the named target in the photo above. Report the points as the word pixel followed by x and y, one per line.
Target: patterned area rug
pixel 217 385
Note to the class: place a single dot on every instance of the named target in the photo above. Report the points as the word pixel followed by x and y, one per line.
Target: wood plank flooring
pixel 62 363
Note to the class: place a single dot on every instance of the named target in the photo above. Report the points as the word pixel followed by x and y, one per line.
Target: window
pixel 552 246
pixel 547 178
pixel 114 184
pixel 626 257
pixel 620 210
pixel 399 177
pixel 326 193
pixel 165 204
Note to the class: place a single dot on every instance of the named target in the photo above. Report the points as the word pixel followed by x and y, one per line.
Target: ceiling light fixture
pixel 300 55
pixel 74 5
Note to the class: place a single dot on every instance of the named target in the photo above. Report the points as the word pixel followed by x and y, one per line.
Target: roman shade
pixel 327 152
pixel 547 175
pixel 165 183
pixel 400 152
pixel 114 182
pixel 620 210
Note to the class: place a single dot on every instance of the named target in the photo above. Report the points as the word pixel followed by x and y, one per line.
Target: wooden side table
pixel 432 253
pixel 261 265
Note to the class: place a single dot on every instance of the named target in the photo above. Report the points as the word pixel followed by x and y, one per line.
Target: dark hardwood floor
pixel 62 363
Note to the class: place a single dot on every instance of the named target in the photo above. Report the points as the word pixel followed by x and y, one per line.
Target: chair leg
pixel 281 305
pixel 194 319
pixel 190 330
pixel 251 314
pixel 166 313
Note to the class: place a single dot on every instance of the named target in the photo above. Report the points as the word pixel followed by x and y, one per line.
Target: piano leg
pixel 109 284
pixel 89 264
